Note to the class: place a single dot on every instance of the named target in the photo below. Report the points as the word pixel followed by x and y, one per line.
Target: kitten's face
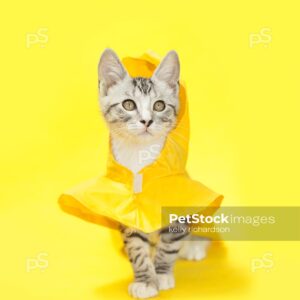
pixel 139 109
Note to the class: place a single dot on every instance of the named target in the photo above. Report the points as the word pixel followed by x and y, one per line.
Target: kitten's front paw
pixel 142 290
pixel 194 250
pixel 165 281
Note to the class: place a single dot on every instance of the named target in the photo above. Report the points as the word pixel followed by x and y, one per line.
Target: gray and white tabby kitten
pixel 140 113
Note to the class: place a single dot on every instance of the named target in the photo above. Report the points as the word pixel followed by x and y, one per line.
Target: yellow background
pixel 244 107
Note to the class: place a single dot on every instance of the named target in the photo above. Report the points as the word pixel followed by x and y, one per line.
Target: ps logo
pixel 265 262
pixel 151 153
pixel 40 262
pixel 39 38
pixel 263 37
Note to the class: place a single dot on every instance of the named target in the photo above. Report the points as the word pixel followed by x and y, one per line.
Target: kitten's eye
pixel 159 105
pixel 129 104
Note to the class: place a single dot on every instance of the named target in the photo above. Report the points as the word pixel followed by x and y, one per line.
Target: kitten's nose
pixel 147 123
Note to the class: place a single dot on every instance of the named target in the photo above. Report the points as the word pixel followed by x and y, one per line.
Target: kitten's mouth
pixel 146 133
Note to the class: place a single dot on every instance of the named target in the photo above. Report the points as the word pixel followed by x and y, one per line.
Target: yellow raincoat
pixel 137 200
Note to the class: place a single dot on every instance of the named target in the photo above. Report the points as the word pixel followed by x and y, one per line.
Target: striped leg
pixel 137 247
pixel 167 251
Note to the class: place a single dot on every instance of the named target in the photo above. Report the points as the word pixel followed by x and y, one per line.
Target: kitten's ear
pixel 168 70
pixel 110 69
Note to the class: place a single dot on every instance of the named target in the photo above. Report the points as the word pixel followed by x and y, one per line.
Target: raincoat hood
pixel 136 200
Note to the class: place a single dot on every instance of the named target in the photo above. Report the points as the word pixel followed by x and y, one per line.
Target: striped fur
pixel 143 84
pixel 152 257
